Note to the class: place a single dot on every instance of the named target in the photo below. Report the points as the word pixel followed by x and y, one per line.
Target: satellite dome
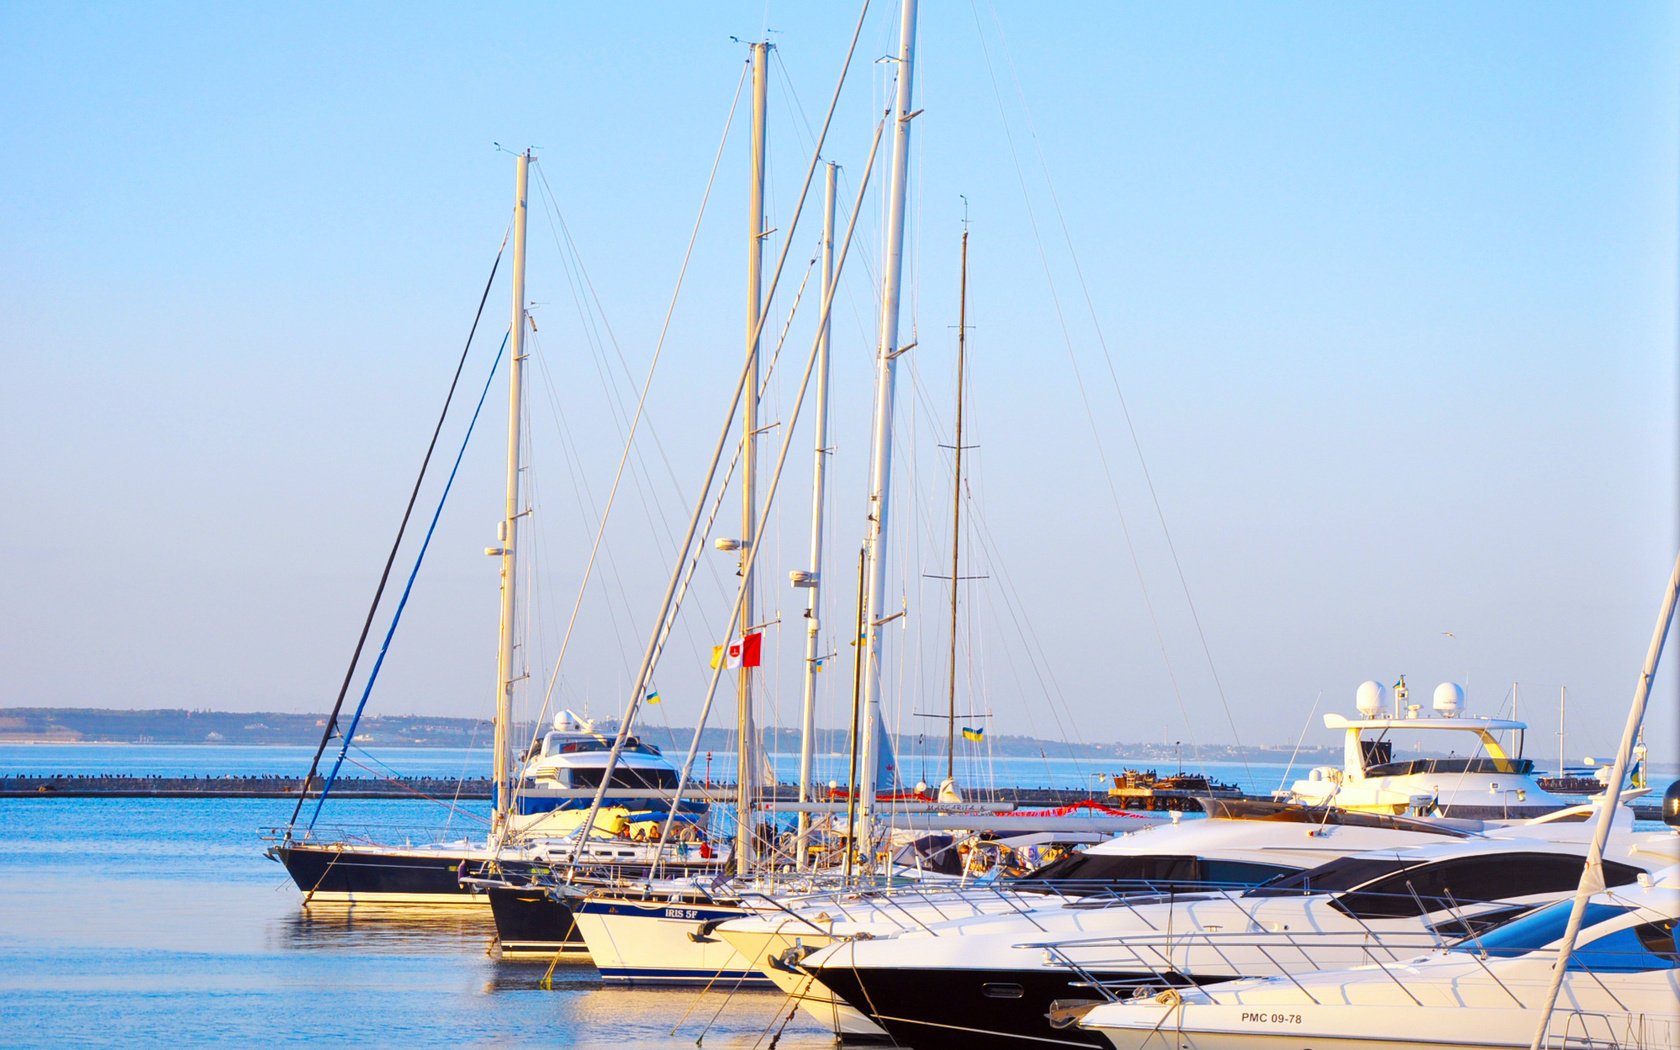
pixel 1369 698
pixel 1449 697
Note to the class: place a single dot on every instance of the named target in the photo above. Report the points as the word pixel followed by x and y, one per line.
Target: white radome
pixel 1449 698
pixel 1369 698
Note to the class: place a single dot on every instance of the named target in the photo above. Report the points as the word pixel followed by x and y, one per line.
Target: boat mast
pixel 956 517
pixel 507 531
pixel 880 460
pixel 1592 873
pixel 747 771
pixel 813 579
pixel 1563 701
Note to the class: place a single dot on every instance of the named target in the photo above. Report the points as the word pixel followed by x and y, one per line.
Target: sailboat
pixel 538 805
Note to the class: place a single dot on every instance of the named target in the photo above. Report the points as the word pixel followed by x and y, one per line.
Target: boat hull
pixel 663 942
pixel 768 948
pixel 1307 1026
pixel 969 1009
pixel 535 923
pixel 349 875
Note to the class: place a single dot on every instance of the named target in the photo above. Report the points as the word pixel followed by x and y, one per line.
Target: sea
pixel 151 921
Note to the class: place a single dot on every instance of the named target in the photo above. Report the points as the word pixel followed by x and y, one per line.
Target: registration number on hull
pixel 1262 1017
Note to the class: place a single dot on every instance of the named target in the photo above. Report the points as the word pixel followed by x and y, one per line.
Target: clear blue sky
pixel 1390 292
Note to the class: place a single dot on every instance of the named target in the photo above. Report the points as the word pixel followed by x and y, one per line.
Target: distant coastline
pixel 180 726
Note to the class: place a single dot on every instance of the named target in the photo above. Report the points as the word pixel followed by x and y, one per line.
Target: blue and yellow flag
pixel 653 696
pixel 975 735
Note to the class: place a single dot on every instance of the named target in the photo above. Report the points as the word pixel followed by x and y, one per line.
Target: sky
pixel 1310 344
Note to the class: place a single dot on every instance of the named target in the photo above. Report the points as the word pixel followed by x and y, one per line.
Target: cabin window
pixel 1097 872
pixel 1632 949
pixel 1465 880
pixel 1338 875
pixel 641 779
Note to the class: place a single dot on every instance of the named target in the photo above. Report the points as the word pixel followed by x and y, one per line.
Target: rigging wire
pixel 1084 395
pixel 408 588
pixel 396 545
pixel 659 346
pixel 1114 379
pixel 717 452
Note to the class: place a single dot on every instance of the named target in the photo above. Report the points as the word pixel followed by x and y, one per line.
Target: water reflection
pixel 386 930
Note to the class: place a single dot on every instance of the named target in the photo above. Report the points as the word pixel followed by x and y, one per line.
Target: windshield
pixel 1535 930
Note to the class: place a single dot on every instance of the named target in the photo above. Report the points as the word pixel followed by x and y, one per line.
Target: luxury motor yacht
pixel 1240 845
pixel 1479 777
pixel 1621 988
pixel 994 981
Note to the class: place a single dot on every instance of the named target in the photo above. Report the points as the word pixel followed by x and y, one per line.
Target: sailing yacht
pixel 539 805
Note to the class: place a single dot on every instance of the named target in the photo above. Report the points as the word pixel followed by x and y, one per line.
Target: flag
pixel 973 734
pixel 653 696
pixel 746 651
pixel 818 663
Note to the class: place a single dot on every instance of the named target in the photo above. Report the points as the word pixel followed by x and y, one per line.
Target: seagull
pixel 1451 635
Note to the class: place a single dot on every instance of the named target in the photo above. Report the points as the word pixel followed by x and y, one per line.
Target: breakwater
pixel 471 788
pixel 72 786
pixel 478 789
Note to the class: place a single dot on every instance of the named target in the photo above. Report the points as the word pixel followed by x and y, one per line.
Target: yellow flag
pixel 717 655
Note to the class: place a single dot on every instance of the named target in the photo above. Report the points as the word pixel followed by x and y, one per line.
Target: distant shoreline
pixel 183 728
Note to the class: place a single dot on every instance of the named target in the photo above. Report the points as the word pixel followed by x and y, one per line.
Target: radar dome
pixel 1449 698
pixel 1369 698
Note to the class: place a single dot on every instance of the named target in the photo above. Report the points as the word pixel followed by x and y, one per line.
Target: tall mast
pixel 880 458
pixel 747 772
pixel 956 518
pixel 509 529
pixel 819 470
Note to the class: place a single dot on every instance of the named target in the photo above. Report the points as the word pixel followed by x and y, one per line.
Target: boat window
pixel 1631 949
pixel 624 777
pixel 1460 925
pixel 1338 875
pixel 1535 930
pixel 1424 766
pixel 1102 872
pixel 1465 880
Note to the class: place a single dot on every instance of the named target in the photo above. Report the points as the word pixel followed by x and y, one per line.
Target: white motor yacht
pixel 1479 777
pixel 1621 988
pixel 997 980
pixel 1242 845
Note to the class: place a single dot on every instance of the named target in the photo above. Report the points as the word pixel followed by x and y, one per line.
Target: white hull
pixel 759 946
pixel 663 942
pixel 1622 990
pixel 1338 1027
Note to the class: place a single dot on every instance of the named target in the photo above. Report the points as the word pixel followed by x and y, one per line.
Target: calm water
pixel 159 920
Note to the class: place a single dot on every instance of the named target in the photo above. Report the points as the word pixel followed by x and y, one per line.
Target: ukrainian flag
pixel 975 735
pixel 653 696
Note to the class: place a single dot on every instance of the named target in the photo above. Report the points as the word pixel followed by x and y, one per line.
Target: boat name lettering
pixel 1259 1017
pixel 682 913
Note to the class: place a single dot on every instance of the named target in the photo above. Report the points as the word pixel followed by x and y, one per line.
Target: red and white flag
pixel 746 651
